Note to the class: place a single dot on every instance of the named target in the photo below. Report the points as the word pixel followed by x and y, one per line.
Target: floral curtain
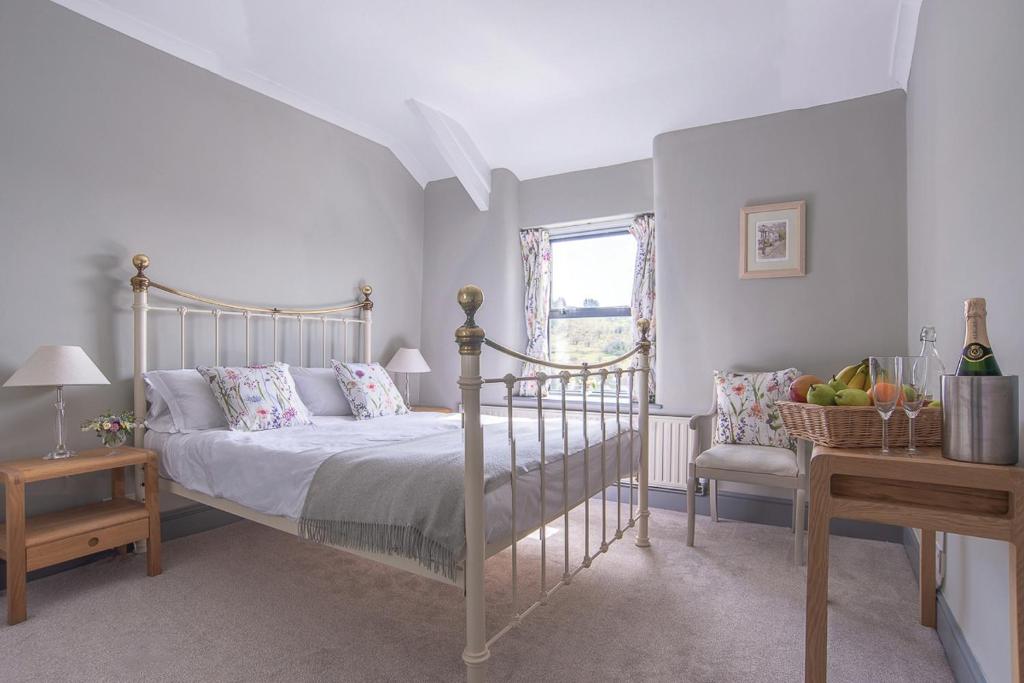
pixel 536 252
pixel 642 304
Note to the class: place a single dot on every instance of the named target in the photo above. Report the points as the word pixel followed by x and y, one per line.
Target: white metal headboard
pixel 320 318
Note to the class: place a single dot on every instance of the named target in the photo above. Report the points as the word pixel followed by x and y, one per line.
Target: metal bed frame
pixel 471 339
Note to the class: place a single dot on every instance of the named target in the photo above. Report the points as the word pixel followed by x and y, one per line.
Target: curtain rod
pixel 590 224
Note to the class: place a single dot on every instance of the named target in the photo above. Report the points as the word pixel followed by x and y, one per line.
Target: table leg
pixel 816 625
pixel 1016 612
pixel 16 559
pixel 117 491
pixel 153 507
pixel 927 577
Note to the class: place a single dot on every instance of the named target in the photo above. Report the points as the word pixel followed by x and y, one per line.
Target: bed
pixel 266 476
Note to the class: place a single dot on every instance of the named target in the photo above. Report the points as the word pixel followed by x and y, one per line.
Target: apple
pixel 798 389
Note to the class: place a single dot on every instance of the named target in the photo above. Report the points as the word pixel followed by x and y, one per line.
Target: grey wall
pixel 464 245
pixel 847 161
pixel 109 147
pixel 593 193
pixel 965 173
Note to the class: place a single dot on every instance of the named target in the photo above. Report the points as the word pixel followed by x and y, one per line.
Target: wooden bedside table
pixel 54 537
pixel 429 409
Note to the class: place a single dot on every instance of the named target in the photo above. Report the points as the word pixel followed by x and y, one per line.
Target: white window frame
pixel 581 231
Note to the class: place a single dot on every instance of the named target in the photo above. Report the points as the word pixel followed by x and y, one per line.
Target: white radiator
pixel 669 443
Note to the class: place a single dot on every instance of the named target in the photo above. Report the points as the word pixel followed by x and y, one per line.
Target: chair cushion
pixel 754 459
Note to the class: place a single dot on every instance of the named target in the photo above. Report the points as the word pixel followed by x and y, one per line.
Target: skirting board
pixel 183 521
pixel 745 507
pixel 958 652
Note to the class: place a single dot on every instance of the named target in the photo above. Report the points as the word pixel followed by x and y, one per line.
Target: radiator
pixel 668 450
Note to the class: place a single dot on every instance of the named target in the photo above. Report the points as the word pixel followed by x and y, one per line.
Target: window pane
pixel 592 271
pixel 589 340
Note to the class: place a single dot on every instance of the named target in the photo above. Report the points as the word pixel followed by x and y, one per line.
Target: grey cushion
pixel 753 459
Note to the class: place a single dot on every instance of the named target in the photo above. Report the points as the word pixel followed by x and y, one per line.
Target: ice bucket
pixel 980 419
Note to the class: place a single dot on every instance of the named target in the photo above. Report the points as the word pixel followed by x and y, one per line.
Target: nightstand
pixel 429 409
pixel 54 537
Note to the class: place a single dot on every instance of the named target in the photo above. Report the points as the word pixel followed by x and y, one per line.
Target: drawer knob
pixel 94 541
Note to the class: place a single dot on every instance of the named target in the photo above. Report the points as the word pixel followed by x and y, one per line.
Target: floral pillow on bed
pixel 369 390
pixel 747 413
pixel 258 397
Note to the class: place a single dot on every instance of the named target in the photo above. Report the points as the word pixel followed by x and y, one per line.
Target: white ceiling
pixel 540 87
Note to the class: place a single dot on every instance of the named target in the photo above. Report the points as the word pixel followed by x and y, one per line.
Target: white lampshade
pixel 408 360
pixel 52 366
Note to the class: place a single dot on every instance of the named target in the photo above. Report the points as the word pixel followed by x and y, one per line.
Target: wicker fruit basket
pixel 858 427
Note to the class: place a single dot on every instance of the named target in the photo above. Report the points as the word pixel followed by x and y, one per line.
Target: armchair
pixel 748 464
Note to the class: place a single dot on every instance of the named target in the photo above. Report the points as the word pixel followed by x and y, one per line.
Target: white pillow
pixel 189 399
pixel 369 390
pixel 319 389
pixel 158 413
pixel 258 397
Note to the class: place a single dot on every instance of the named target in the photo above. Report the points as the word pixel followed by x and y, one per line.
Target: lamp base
pixel 59 453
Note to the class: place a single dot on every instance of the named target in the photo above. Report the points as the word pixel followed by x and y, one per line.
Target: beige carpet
pixel 246 603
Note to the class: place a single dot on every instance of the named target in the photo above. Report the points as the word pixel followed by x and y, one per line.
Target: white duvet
pixel 270 471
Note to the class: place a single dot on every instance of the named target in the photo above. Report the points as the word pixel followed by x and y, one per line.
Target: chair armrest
pixel 701 429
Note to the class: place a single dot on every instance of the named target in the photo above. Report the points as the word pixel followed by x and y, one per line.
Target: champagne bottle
pixel 977 357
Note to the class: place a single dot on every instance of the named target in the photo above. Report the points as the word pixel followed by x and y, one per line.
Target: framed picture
pixel 772 240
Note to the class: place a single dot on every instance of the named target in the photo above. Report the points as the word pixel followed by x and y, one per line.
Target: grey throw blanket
pixel 407 498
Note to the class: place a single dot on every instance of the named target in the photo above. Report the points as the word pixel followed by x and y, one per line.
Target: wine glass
pixel 914 373
pixel 886 387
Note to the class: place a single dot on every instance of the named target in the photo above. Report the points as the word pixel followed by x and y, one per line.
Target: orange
pixel 886 392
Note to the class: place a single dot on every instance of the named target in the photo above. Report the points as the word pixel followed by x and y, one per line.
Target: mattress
pixel 271 471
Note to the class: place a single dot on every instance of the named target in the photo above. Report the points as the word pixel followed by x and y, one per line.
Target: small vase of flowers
pixel 112 428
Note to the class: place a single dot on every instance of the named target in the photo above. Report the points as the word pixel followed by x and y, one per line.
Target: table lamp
pixel 408 361
pixel 57 366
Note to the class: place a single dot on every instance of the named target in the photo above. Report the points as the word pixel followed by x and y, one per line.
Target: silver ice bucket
pixel 980 419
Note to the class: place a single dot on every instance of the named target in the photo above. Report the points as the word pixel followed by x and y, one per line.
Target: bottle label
pixel 976 352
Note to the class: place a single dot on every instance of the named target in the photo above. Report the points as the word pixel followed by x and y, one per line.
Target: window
pixel 591 288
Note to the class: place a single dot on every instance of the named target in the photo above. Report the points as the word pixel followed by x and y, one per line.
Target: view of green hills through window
pixel 592 280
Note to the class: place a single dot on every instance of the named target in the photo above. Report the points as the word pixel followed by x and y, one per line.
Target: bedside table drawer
pixel 60 550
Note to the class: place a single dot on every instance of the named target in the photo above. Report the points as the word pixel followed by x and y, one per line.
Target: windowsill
pixel 572 403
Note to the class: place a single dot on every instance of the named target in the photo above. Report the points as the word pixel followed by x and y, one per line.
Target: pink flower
pixel 261 411
pixel 739 389
pixel 755 410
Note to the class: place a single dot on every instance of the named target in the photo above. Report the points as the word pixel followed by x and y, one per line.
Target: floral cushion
pixel 747 413
pixel 369 390
pixel 257 397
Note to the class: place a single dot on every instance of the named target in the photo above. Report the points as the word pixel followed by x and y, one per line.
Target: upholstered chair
pixel 747 464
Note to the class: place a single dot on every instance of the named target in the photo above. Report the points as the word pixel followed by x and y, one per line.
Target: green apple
pixel 935 404
pixel 821 395
pixel 908 393
pixel 852 397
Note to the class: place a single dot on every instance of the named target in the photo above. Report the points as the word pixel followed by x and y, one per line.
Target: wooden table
pixel 47 539
pixel 923 491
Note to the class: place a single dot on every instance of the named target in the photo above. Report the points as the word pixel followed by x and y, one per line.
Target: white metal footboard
pixel 471 338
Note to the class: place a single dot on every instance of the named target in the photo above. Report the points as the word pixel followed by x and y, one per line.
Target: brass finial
pixel 140 282
pixel 470 337
pixel 366 291
pixel 471 298
pixel 643 326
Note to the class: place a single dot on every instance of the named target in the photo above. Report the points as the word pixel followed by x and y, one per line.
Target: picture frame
pixel 773 240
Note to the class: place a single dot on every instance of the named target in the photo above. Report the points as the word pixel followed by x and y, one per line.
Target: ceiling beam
pixel 459 152
pixel 904 37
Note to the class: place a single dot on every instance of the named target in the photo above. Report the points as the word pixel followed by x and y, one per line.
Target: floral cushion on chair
pixel 747 413
pixel 369 390
pixel 258 397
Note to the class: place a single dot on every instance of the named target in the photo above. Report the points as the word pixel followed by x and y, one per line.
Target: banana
pixel 847 373
pixel 861 380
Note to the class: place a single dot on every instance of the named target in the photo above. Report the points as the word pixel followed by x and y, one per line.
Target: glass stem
pixel 910 435
pixel 885 435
